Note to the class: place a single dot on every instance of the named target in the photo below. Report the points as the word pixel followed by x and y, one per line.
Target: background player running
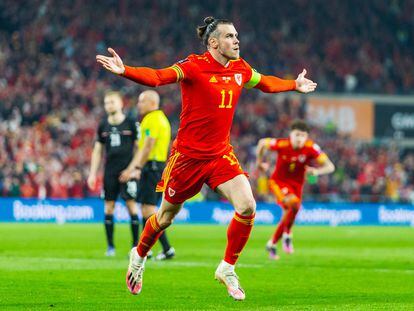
pixel 211 84
pixel 295 157
pixel 118 135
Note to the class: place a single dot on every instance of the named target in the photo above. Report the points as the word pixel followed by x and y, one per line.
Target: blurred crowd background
pixel 51 88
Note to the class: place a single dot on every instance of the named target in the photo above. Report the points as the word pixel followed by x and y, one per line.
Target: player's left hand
pixel 312 170
pixel 304 85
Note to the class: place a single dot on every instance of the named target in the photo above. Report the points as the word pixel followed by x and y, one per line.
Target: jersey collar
pixel 212 59
pixel 116 123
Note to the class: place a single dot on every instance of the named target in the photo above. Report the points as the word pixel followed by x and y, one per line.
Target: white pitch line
pixel 201 264
pixel 367 269
pixel 32 263
pixel 408 271
pixel 63 263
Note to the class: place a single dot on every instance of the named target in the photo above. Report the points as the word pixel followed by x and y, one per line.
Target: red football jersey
pixel 291 163
pixel 210 92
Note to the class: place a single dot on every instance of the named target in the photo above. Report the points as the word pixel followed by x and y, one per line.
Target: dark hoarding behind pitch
pixel 394 121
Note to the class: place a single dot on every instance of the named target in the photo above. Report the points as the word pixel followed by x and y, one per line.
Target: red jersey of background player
pixel 210 92
pixel 291 163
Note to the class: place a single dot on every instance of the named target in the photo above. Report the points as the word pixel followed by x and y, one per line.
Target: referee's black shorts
pixel 114 188
pixel 150 176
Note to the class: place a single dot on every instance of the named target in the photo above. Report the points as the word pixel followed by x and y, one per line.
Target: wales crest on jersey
pixel 238 78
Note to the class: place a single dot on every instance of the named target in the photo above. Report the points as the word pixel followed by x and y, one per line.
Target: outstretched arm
pixel 142 75
pixel 272 84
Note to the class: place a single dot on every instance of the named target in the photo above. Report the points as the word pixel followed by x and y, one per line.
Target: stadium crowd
pixel 51 88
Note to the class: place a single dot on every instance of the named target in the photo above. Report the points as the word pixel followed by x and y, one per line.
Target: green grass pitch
pixel 62 267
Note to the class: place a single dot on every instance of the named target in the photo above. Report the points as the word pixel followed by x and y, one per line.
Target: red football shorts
pixel 183 176
pixel 280 190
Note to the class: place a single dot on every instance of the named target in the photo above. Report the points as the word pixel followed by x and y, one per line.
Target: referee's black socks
pixel 134 229
pixel 109 229
pixel 164 242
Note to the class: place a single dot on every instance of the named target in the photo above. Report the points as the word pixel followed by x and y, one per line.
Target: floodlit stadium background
pixel 362 114
pixel 354 242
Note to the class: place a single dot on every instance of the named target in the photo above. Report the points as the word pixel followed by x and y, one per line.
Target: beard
pixel 232 55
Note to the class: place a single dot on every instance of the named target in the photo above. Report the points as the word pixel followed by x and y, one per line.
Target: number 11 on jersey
pixel 223 99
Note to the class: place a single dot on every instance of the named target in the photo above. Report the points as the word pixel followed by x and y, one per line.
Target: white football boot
pixel 225 274
pixel 135 272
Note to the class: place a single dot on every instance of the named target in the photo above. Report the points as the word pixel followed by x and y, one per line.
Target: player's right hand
pixel 263 166
pixel 91 182
pixel 312 170
pixel 125 175
pixel 113 64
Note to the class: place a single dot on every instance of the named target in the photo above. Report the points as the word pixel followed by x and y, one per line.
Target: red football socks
pixel 279 230
pixel 238 233
pixel 290 219
pixel 285 224
pixel 149 236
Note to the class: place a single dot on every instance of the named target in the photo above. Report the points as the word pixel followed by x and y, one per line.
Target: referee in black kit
pixel 149 162
pixel 119 136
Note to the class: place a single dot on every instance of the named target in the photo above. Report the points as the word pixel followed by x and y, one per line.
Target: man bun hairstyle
pixel 210 25
pixel 300 125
